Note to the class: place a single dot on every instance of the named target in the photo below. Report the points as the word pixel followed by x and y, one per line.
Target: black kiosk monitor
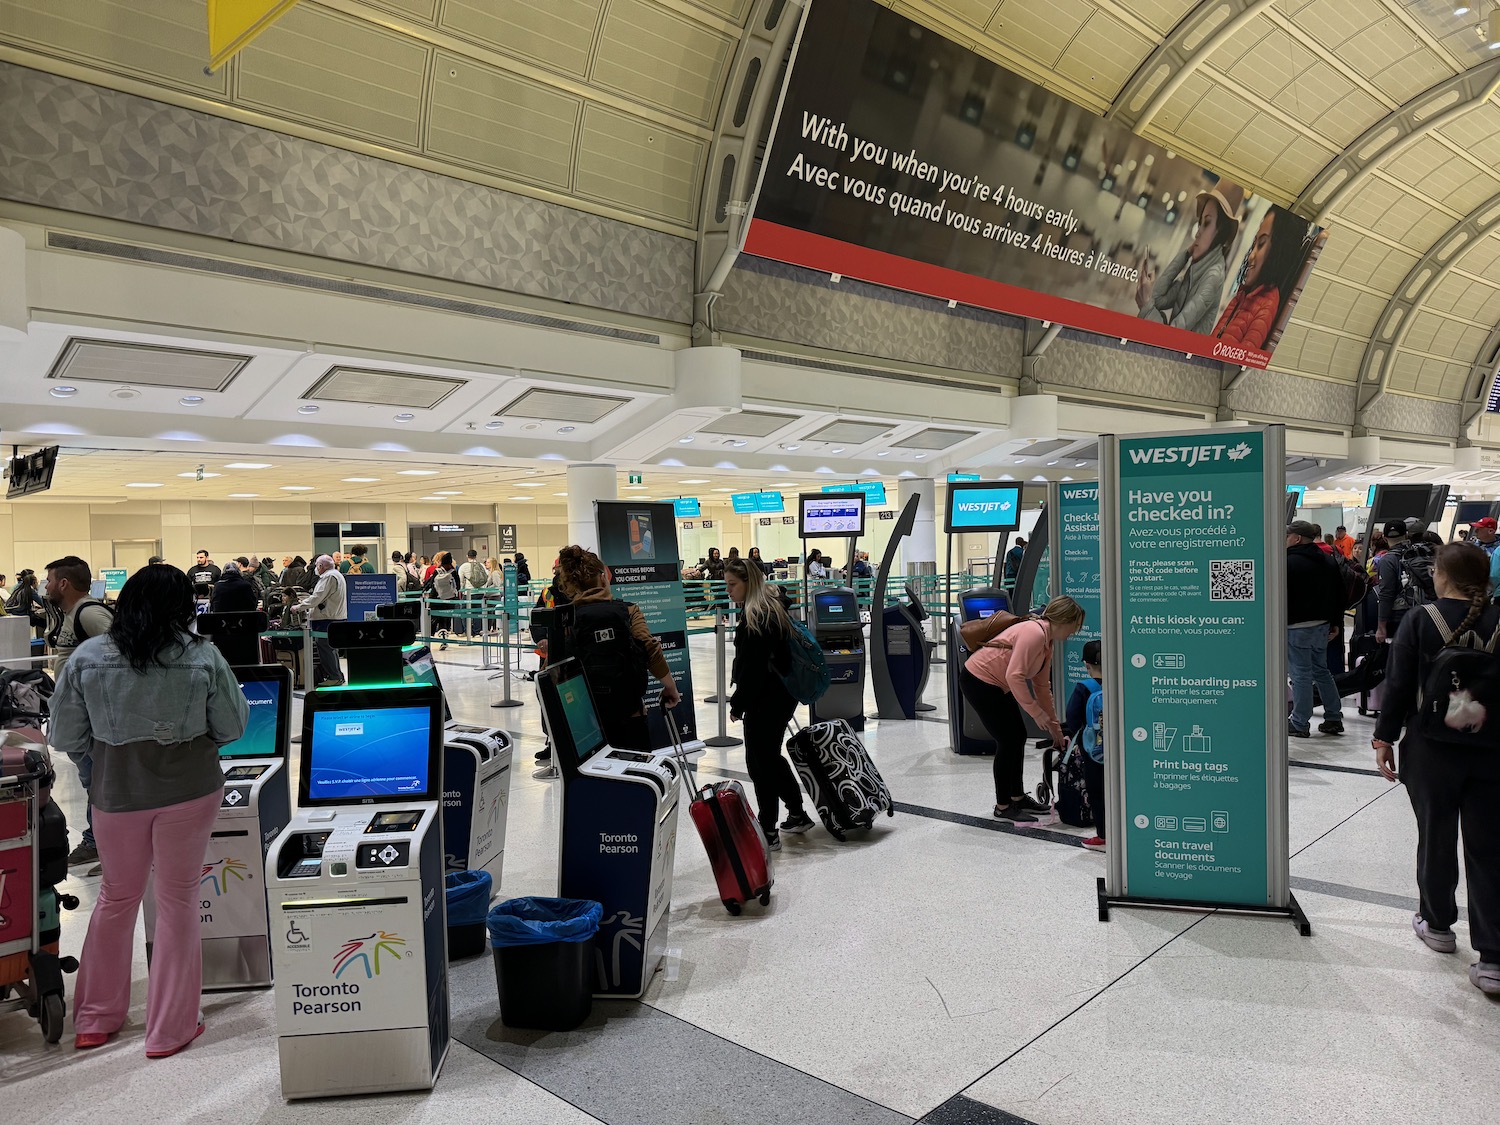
pixel 966 734
pixel 356 890
pixel 255 807
pixel 834 622
pixel 619 832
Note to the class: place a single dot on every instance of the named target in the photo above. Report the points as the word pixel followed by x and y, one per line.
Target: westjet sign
pixel 983 507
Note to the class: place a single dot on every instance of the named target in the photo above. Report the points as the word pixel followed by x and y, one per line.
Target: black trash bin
pixel 544 961
pixel 468 894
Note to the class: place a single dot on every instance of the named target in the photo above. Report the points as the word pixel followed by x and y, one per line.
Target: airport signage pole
pixel 1194 614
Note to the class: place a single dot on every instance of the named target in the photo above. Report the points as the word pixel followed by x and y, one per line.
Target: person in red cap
pixel 1484 536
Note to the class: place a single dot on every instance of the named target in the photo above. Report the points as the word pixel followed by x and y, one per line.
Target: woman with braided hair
pixel 1450 781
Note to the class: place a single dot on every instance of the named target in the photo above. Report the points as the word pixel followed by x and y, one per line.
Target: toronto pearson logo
pixel 218 874
pixel 368 952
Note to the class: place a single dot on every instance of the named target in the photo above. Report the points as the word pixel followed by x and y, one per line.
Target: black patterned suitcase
pixel 839 776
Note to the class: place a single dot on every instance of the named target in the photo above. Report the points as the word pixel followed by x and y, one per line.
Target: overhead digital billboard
pixel 904 159
pixel 746 503
pixel 830 514
pixel 874 490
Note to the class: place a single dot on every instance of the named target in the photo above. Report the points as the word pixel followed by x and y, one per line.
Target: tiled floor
pixel 940 969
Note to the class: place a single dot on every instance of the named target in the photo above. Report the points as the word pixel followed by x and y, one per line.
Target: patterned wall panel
pixel 77 147
pixel 1402 414
pixel 1276 394
pixel 1096 364
pixel 774 301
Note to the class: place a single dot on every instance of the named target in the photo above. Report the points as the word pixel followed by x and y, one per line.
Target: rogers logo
pixel 1226 351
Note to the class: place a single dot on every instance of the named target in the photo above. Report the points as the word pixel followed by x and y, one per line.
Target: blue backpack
pixel 808 677
pixel 1092 735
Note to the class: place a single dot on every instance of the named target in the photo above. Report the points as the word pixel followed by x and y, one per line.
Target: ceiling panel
pixel 1483 258
pixel 485 117
pixel 425 11
pixel 1365 260
pixel 976 13
pixel 1103 55
pixel 1162 15
pixel 652 54
pixel 164 40
pixel 645 167
pixel 557 34
pixel 329 69
pixel 1040 31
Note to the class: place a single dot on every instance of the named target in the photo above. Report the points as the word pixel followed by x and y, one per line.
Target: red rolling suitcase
pixel 735 844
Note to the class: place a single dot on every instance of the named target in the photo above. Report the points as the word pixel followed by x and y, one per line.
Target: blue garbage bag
pixel 468 895
pixel 541 921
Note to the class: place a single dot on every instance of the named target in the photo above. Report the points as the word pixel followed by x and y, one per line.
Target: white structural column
pixel 15 312
pixel 921 545
pixel 587 483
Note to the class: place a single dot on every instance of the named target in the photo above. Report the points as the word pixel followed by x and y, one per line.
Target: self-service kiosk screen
pixel 831 513
pixel 371 745
pixel 267 691
pixel 835 609
pixel 571 718
pixel 977 609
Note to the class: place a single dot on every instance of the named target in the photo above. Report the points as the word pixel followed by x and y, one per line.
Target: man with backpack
pixel 1403 574
pixel 474 577
pixel 79 617
pixel 1315 599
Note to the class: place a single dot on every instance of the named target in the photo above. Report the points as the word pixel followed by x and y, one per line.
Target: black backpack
pixel 1459 704
pixel 614 662
pixel 1355 581
pixel 1417 584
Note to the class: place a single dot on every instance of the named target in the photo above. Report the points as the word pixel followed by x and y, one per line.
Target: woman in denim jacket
pixel 143 710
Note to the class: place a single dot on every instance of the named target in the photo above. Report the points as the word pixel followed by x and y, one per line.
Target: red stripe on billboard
pixel 829 255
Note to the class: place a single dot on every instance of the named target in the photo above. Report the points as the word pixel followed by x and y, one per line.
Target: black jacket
pixel 233 593
pixel 1314 589
pixel 760 659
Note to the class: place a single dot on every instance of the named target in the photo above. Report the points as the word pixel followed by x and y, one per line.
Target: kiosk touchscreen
pixel 359 920
pixel 619 832
pixel 255 808
pixel 966 734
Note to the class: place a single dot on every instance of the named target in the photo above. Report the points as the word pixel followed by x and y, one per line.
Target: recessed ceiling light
pixel 1051 463
pixel 685 440
pixel 416 472
pixel 190 400
pixel 882 453
pixel 532 426
pixel 921 457
pixel 636 487
pixel 1080 464
pixel 199 476
pixel 436 499
pixel 243 495
pixel 566 429
pixel 361 480
pixel 559 494
pixel 837 449
pixel 520 497
pixel 694 480
pixel 494 424
pixel 296 488
pixel 446 492
pixel 1461 10
pixel 531 484
pixel 308 408
pixel 63 392
pixel 248 465
pixel 789 447
pixel 143 484
pixel 404 416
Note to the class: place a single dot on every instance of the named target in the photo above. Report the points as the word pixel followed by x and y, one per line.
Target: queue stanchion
pixel 486 656
pixel 721 686
pixel 426 623
pixel 309 658
pixel 506 700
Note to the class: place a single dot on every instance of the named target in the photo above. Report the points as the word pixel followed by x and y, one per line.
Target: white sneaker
pixel 546 773
pixel 1440 941
pixel 1485 976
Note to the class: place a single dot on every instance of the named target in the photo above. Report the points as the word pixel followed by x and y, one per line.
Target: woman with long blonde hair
pixel 760 698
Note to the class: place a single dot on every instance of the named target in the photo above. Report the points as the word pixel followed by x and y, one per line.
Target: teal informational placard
pixel 1195 581
pixel 1077 548
pixel 874 490
pixel 512 599
pixel 114 580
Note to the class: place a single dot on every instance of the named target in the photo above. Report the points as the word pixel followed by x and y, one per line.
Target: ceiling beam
pixel 1430 110
pixel 751 96
pixel 1395 321
pixel 1207 27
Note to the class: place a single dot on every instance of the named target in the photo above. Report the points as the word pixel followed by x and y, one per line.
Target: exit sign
pixel 635 478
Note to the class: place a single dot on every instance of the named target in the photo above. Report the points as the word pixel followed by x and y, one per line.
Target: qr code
pixel 1231 580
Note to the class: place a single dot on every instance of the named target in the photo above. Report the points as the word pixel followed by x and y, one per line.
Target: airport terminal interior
pixel 940 307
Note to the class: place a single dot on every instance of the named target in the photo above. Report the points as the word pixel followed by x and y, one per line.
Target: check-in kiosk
pixel 255 808
pixel 358 911
pixel 619 832
pixel 833 620
pixel 476 797
pixel 966 734
pixel 906 653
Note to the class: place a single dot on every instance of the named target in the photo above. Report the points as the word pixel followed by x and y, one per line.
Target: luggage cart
pixel 33 860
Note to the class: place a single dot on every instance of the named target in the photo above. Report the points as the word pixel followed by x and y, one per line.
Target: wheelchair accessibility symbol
pixel 294 936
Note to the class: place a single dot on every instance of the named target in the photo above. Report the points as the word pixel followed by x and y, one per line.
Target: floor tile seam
pixel 1332 767
pixel 1364 806
pixel 1084 1004
pixel 778 1062
pixel 528 1079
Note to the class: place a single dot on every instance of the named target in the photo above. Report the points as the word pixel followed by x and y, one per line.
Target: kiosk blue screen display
pixel 369 752
pixel 261 738
pixel 835 607
pixel 984 507
pixel 582 719
pixel 977 609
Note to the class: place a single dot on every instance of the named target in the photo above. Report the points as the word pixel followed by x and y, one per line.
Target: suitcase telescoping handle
pixel 684 766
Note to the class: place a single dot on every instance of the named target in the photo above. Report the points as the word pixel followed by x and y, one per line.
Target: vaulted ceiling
pixel 1379 117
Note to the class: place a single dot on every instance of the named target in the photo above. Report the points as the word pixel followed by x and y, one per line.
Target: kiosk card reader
pixel 358 911
pixel 966 734
pixel 476 798
pixel 834 622
pixel 619 832
pixel 256 807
